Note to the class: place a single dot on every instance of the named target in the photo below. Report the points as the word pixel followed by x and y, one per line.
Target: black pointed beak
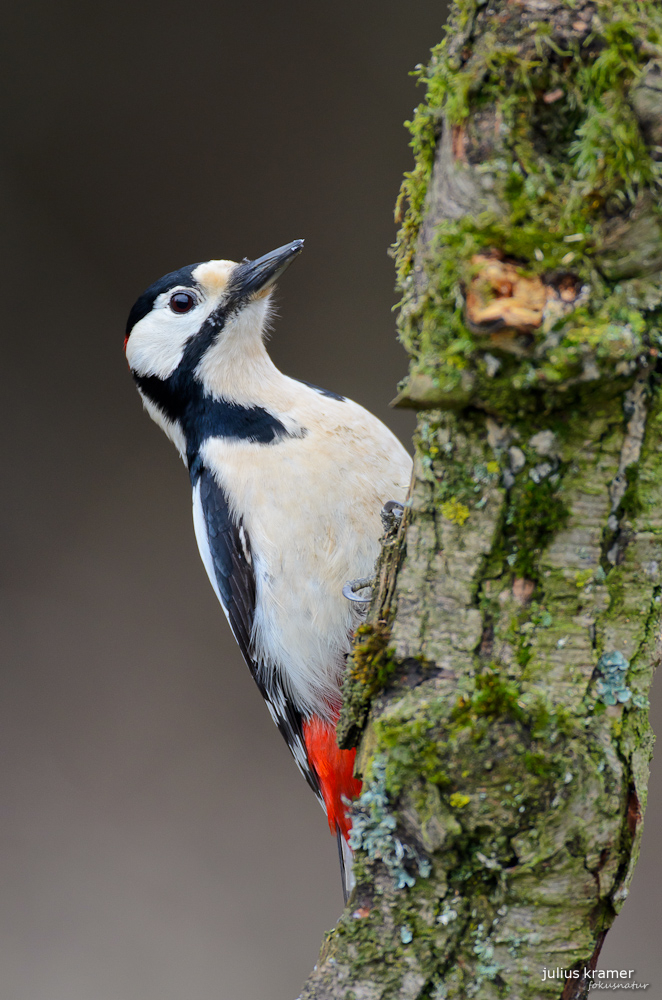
pixel 253 276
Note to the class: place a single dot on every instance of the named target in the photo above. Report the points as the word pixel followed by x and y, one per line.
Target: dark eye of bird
pixel 181 302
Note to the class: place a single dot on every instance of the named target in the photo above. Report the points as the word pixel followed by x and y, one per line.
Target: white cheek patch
pixel 157 342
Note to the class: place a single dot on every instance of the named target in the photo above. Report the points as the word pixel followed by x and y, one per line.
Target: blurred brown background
pixel 158 842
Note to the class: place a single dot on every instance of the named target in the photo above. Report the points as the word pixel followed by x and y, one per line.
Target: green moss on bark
pixel 553 185
pixel 369 670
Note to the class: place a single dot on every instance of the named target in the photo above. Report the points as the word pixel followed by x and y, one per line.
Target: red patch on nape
pixel 335 770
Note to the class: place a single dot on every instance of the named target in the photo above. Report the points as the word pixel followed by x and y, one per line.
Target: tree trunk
pixel 498 691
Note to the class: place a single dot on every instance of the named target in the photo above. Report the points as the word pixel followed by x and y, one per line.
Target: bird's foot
pixel 351 588
pixel 391 513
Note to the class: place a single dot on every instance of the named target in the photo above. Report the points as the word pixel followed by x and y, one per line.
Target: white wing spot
pixel 244 545
pixel 299 752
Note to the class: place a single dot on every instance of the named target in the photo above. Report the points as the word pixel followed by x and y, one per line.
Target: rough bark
pixel 498 691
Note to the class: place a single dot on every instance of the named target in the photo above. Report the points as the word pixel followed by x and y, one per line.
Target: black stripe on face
pixel 144 305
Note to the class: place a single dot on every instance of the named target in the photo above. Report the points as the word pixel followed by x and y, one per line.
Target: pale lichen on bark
pixel 498 692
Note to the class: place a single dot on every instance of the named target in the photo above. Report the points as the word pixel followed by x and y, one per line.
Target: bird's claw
pixel 391 513
pixel 351 587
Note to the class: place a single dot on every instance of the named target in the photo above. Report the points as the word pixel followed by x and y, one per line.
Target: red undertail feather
pixel 335 770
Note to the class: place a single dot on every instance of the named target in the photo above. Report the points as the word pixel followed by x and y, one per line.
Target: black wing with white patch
pixel 232 562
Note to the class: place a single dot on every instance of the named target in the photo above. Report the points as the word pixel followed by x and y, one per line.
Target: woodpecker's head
pixel 194 343
pixel 188 312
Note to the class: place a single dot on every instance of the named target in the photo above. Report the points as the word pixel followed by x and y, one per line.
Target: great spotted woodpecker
pixel 288 484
